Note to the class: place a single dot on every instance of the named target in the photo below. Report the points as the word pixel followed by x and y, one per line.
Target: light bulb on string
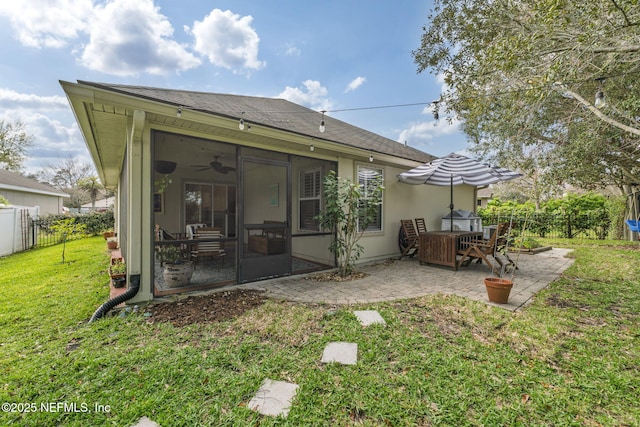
pixel 600 99
pixel 436 111
pixel 322 128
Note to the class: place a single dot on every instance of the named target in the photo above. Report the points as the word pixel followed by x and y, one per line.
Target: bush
pixel 592 215
pixel 94 223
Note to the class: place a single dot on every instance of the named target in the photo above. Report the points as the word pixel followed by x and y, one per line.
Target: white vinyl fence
pixel 16 232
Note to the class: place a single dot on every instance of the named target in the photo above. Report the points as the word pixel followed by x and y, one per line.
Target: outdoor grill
pixel 462 221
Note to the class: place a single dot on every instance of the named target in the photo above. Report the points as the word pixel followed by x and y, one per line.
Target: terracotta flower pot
pixel 498 289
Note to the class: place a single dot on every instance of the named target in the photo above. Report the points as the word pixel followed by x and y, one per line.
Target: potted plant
pixel 177 270
pixel 118 272
pixel 112 243
pixel 107 234
pixel 499 286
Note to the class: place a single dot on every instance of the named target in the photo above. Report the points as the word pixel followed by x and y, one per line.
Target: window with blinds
pixel 309 199
pixel 369 178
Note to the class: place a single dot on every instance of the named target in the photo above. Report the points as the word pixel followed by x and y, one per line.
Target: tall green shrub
pixel 349 210
pixel 95 222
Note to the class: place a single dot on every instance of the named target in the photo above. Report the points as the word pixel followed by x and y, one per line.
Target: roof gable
pixel 17 182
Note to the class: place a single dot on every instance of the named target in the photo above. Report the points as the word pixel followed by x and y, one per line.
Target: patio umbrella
pixel 456 169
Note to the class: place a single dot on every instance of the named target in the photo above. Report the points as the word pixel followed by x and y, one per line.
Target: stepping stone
pixel 345 353
pixel 145 422
pixel 273 398
pixel 369 317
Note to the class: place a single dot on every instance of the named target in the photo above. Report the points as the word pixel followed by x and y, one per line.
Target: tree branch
pixel 559 87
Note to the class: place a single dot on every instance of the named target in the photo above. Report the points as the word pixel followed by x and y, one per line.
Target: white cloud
pixel 10 99
pixel 124 38
pixel 425 133
pixel 47 23
pixel 314 97
pixel 49 120
pixel 228 40
pixel 355 84
pixel 132 37
pixel 292 50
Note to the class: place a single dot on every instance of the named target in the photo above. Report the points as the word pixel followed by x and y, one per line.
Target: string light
pixel 312 148
pixel 370 158
pixel 600 101
pixel 179 112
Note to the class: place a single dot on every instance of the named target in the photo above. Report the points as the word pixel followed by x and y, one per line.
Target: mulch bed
pixel 214 307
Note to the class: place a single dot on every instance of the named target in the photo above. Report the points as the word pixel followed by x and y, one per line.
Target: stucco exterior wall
pixel 404 201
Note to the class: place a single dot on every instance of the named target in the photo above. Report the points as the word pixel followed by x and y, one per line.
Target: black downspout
pixel 134 280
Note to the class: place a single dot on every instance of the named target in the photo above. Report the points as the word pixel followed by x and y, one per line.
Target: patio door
pixel 264 219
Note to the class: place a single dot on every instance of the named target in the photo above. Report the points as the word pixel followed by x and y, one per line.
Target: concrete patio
pixel 407 278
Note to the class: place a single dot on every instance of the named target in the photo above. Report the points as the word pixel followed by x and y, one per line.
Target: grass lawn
pixel 571 358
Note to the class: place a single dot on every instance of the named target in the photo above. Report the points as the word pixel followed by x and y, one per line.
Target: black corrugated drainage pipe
pixel 134 280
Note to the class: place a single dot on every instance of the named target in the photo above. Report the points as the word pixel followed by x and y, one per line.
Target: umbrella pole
pixel 451 205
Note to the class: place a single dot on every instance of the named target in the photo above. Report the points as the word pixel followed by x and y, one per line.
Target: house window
pixel 198 203
pixel 309 199
pixel 369 178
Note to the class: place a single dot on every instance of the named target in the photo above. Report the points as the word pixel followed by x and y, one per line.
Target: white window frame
pixel 317 177
pixel 379 169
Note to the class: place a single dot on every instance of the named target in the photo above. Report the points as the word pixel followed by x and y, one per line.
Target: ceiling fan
pixel 216 166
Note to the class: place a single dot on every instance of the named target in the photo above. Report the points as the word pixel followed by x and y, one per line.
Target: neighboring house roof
pixel 274 113
pixel 17 182
pixel 107 203
pixel 485 193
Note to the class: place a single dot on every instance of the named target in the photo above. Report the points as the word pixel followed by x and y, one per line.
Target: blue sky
pixel 330 55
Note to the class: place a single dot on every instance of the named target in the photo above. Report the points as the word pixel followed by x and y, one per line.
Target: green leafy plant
pixel 66 228
pixel 169 254
pixel 526 243
pixel 95 222
pixel 349 210
pixel 118 266
pixel 118 272
pixel 161 184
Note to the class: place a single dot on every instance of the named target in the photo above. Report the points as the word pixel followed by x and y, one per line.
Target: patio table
pixel 441 247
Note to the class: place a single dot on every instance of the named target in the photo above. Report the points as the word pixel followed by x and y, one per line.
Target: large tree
pixel 65 174
pixel 523 77
pixel 14 142
pixel 70 175
pixel 92 187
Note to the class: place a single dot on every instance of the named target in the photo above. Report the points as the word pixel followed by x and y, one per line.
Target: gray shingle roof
pixel 274 113
pixel 15 181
